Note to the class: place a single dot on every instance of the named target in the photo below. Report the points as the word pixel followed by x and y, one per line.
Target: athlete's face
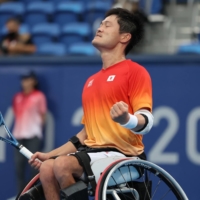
pixel 28 84
pixel 107 35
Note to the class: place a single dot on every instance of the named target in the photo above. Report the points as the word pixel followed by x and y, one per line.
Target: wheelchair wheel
pixel 152 182
pixel 35 182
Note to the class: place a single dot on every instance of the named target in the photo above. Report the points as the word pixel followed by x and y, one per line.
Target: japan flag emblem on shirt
pixel 90 83
pixel 111 78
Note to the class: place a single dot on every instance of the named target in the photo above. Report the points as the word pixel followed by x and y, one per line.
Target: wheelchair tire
pixel 30 185
pixel 163 185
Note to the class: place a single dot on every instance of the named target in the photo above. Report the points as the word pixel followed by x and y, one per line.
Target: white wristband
pixel 132 123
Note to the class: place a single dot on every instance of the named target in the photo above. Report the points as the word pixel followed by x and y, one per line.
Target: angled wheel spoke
pixel 165 194
pixel 156 188
pixel 144 178
pixel 125 181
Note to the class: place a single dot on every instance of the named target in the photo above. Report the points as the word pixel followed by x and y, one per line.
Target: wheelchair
pixel 128 178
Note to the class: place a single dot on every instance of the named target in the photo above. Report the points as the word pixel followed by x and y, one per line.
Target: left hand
pixel 119 112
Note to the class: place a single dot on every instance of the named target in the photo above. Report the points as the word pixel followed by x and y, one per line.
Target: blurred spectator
pixel 14 43
pixel 118 4
pixel 29 108
pixel 2 1
pixel 133 6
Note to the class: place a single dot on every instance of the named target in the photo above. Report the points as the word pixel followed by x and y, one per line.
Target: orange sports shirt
pixel 125 81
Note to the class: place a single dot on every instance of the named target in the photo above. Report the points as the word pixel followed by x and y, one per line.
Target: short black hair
pixel 30 74
pixel 129 23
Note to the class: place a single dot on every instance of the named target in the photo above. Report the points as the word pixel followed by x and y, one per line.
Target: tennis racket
pixel 12 141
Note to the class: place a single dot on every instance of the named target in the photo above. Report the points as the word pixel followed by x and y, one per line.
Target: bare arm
pixel 22 48
pixel 63 150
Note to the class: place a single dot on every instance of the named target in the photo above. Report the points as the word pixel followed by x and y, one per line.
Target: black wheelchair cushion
pixel 77 191
pixel 35 193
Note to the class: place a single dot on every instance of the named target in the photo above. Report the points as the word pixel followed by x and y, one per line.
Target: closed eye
pixel 105 23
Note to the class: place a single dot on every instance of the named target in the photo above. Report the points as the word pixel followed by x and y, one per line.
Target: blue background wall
pixel 173 142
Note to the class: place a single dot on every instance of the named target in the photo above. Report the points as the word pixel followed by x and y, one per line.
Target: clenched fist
pixel 119 112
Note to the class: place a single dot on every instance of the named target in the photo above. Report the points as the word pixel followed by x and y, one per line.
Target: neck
pixel 28 91
pixel 110 58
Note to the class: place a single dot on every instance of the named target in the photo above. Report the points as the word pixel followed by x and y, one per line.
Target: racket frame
pixel 12 141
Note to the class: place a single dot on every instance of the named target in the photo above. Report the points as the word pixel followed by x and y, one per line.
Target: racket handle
pixel 24 151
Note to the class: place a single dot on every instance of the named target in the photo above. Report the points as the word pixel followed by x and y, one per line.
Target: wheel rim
pixel 164 185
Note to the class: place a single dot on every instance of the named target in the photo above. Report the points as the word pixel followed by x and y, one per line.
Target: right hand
pixel 37 163
pixel 119 112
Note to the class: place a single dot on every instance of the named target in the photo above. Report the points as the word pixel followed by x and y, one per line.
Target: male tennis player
pixel 117 104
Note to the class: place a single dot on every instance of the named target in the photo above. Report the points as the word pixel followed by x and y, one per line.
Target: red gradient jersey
pixel 28 110
pixel 125 81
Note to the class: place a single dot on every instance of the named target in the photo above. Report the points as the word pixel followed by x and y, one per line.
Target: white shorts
pixel 101 160
pixel 104 154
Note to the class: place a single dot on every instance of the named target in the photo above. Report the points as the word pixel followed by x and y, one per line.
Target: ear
pixel 125 37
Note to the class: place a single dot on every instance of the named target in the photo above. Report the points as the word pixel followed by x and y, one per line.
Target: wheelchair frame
pixel 120 191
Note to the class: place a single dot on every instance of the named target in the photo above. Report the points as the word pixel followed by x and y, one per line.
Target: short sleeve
pixel 140 89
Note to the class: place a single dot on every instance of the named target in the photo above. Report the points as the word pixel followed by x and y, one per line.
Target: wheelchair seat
pixel 100 165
